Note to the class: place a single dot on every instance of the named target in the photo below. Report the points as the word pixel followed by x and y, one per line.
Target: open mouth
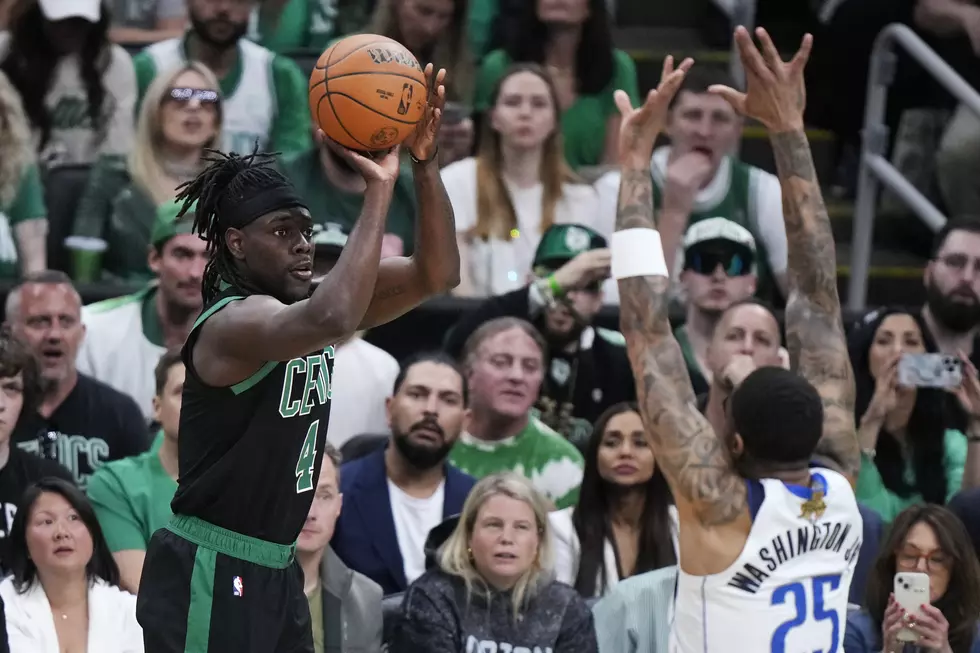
pixel 702 150
pixel 303 271
pixel 504 556
pixel 63 550
pixel 52 355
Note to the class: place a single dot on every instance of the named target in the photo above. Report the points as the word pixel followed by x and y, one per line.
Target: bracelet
pixel 556 289
pixel 415 159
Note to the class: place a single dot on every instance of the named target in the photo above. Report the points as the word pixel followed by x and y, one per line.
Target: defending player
pixel 221 576
pixel 767 546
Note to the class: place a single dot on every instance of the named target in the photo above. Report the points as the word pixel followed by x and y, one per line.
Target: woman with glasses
pixel 516 187
pixel 931 540
pixel 180 118
pixel 911 452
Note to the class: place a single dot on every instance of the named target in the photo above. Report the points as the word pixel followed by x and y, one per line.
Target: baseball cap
pixel 167 225
pixel 90 10
pixel 563 242
pixel 329 238
pixel 720 234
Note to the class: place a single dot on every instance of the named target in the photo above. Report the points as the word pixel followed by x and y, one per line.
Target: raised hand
pixel 968 392
pixel 640 127
pixel 775 91
pixel 382 167
pixel 422 143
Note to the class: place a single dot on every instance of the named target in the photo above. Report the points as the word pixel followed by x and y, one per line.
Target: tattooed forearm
pixel 694 460
pixel 814 331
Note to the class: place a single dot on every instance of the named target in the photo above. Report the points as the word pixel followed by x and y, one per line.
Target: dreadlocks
pixel 231 192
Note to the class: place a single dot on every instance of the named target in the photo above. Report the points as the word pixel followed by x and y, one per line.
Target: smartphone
pixel 930 371
pixel 454 113
pixel 911 592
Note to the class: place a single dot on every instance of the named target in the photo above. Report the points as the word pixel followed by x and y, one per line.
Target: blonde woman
pixel 516 187
pixel 23 223
pixel 180 118
pixel 493 588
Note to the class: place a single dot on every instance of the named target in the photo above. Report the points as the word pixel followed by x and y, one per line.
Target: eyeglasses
pixel 935 561
pixel 202 95
pixel 960 262
pixel 706 261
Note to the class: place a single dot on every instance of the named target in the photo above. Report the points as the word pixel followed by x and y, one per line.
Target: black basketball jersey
pixel 250 454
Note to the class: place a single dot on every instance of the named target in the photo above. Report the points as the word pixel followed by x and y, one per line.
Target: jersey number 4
pixel 307 460
pixel 805 610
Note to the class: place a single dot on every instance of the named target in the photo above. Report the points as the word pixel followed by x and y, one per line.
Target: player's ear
pixel 233 240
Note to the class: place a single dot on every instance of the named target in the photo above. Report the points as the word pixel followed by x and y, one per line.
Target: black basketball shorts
pixel 205 589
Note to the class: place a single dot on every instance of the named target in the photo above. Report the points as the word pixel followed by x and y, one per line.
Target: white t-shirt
pixel 500 266
pixel 363 377
pixel 414 518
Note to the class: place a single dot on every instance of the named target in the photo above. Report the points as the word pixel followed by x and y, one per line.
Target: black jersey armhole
pixel 188 349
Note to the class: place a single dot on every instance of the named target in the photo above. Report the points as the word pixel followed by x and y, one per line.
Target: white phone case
pixel 911 592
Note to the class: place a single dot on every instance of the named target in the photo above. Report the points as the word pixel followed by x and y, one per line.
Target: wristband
pixel 432 156
pixel 637 252
pixel 554 286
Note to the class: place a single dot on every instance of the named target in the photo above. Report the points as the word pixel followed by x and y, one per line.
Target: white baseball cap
pixel 90 10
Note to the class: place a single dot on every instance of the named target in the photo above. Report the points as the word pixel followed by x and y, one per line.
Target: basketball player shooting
pixel 767 545
pixel 222 575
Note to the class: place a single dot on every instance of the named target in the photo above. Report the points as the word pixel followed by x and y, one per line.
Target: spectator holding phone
pixel 910 452
pixel 925 539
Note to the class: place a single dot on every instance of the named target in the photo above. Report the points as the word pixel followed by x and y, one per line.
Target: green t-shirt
pixel 871 490
pixel 552 464
pixel 287 88
pixel 327 203
pixel 121 213
pixel 28 204
pixel 308 24
pixel 316 617
pixel 132 498
pixel 583 125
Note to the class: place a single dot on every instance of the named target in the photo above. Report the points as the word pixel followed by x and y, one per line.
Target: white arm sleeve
pixel 769 219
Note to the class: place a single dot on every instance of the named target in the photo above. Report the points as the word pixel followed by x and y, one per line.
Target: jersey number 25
pixel 807 610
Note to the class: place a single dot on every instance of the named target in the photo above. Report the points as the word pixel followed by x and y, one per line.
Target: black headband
pixel 256 201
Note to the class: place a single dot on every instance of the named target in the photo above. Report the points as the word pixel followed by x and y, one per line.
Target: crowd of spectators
pixel 511 456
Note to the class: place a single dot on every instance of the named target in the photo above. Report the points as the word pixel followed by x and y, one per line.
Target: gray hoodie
pixel 438 619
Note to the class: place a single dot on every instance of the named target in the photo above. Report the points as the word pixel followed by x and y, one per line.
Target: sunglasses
pixel 204 96
pixel 706 261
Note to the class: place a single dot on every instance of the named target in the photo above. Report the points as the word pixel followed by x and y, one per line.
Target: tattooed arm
pixel 776 97
pixel 698 466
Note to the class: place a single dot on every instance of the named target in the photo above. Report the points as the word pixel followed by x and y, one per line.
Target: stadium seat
pixel 63 189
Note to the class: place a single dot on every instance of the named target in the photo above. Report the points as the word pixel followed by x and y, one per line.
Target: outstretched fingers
pixel 623 103
pixel 751 58
pixel 730 95
pixel 802 56
pixel 769 52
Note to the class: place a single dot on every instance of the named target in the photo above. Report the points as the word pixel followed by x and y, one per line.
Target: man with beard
pixel 334 191
pixel 126 336
pixel 587 367
pixel 395 496
pixel 952 281
pixel 264 95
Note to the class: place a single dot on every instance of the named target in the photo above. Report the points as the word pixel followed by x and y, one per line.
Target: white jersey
pixel 787 591
pixel 250 111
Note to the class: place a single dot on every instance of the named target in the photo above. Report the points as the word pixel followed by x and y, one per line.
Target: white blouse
pixel 500 266
pixel 112 626
pixel 567 549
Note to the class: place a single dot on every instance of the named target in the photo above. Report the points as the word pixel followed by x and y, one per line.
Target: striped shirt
pixel 634 617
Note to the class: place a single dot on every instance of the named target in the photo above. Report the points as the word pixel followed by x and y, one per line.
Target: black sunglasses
pixel 204 96
pixel 706 261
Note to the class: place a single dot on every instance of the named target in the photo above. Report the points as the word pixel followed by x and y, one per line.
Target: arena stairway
pixel 650 29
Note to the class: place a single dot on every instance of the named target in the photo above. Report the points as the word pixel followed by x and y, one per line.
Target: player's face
pixel 704 123
pixel 422 22
pixel 324 511
pixel 188 117
pixel 504 541
pixel 49 320
pixel 746 329
pixel 11 402
pixel 525 114
pixel 716 276
pixel 922 552
pixel 625 457
pixel 220 22
pixel 278 251
pixel 506 377
pixel 426 414
pixel 952 282
pixel 166 405
pixel 179 266
pixel 896 335
pixel 566 12
pixel 57 539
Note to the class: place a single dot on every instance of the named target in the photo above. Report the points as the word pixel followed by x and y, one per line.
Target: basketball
pixel 367 92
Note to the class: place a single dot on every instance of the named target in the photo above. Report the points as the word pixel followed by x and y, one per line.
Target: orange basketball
pixel 367 92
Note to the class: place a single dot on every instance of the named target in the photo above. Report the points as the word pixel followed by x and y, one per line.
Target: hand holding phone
pixel 911 593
